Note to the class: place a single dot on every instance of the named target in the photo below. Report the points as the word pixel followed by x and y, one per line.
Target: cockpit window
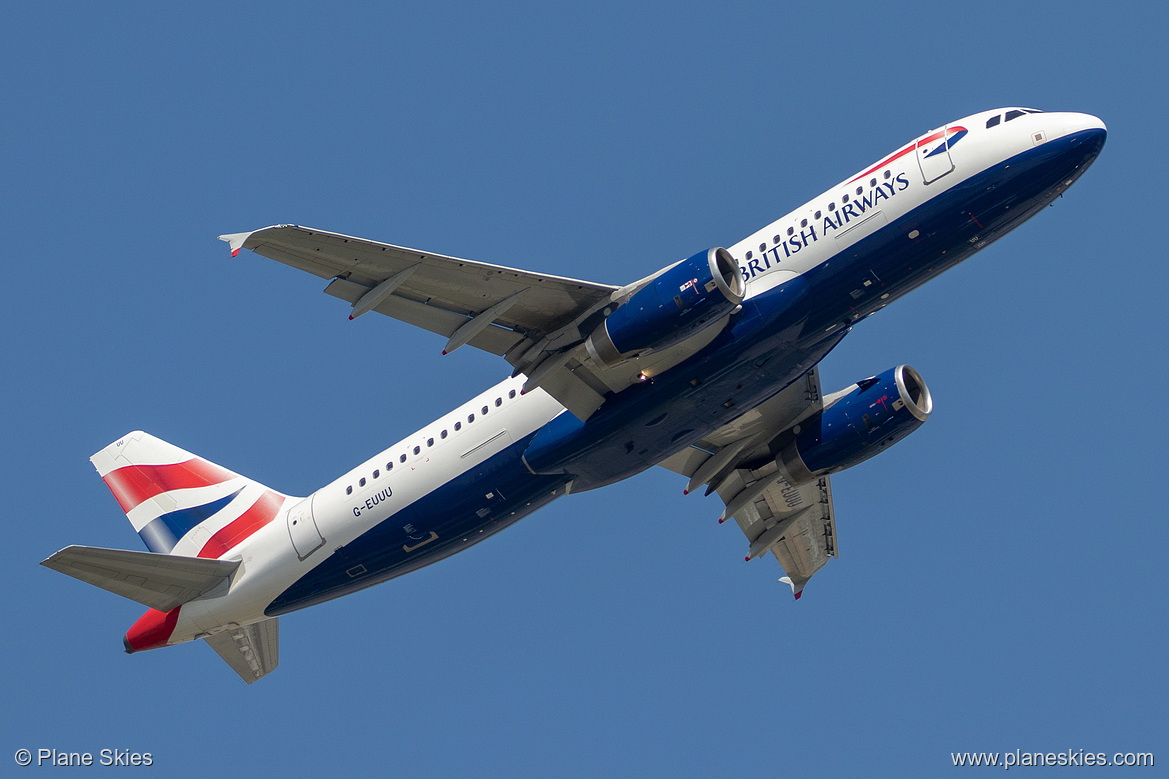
pixel 1014 115
pixel 994 120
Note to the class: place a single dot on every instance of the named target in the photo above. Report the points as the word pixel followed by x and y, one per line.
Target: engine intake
pixel 881 411
pixel 682 300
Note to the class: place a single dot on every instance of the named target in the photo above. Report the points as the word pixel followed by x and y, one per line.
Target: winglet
pixel 797 592
pixel 235 241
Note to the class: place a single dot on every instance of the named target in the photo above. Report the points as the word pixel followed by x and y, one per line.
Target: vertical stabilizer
pixel 180 504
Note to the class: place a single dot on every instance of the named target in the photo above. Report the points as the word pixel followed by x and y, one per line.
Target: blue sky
pixel 1001 578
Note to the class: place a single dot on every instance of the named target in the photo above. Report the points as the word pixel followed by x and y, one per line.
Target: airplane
pixel 707 368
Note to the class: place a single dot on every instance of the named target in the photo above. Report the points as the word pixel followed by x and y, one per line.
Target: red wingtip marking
pixel 351 317
pixel 722 520
pixel 747 559
pixel 685 492
pixel 235 252
pixel 444 352
pixel 798 594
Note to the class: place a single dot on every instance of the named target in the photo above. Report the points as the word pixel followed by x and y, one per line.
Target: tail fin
pixel 181 504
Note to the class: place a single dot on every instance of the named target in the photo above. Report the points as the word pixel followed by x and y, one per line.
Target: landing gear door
pixel 933 155
pixel 302 528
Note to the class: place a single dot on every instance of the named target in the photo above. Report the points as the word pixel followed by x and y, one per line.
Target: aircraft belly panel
pixel 467 509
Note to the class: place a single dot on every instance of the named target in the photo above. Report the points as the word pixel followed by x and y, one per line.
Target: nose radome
pixel 1068 123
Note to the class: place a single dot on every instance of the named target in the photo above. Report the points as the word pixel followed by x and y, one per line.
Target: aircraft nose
pixel 1070 123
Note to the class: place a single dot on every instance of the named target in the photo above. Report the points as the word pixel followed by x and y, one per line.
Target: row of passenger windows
pixel 872 183
pixel 844 198
pixel 429 443
pixel 1013 114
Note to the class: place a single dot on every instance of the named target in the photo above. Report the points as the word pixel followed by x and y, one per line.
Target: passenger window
pixel 860 191
pixel 417 449
pixel 511 394
pixel 498 402
pixel 390 465
pixel 458 426
pixel 483 411
pixel 361 482
pixel 443 434
pixel 791 231
pixel 376 473
pixel 762 248
pixel 872 182
pixel 817 214
pixel 402 459
pixel 775 239
pixel 1013 115
pixel 470 417
pixel 430 442
pixel 844 198
pixel 349 490
pixel 803 223
pixel 888 174
pixel 749 255
pixel 994 120
pixel 831 206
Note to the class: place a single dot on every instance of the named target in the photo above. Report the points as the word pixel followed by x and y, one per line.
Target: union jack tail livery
pixel 191 514
pixel 181 504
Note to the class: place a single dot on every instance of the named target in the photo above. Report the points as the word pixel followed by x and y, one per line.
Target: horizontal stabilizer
pixel 252 651
pixel 797 590
pixel 158 581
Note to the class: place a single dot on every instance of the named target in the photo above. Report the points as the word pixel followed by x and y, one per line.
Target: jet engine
pixel 863 422
pixel 680 301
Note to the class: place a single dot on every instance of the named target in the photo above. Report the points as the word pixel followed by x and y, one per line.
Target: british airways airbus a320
pixel 707 368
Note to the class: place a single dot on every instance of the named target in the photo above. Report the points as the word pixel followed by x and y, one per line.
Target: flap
pixel 795 523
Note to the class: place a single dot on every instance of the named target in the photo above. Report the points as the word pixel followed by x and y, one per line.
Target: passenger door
pixel 933 156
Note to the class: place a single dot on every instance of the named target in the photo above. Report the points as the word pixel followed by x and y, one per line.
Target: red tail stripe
pixel 152 630
pixel 261 513
pixel 137 483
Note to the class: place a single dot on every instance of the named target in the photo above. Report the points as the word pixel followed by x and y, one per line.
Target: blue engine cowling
pixel 877 414
pixel 682 300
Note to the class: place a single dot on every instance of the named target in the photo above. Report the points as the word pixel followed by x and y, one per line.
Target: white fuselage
pixel 387 484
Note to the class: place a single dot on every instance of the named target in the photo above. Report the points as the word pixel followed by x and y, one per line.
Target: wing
pixel 795 523
pixel 522 316
pixel 252 651
pixel 538 323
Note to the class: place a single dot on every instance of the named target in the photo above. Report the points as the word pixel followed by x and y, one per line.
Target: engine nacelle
pixel 877 414
pixel 679 302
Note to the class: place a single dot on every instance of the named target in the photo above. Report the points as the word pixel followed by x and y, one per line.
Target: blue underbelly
pixel 468 509
pixel 782 333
